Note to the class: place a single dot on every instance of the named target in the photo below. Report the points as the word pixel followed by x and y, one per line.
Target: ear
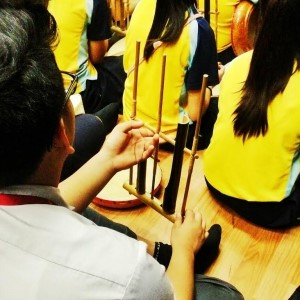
pixel 61 139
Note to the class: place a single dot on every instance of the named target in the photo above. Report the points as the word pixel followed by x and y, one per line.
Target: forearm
pixel 80 189
pixel 193 103
pixel 181 274
pixel 126 145
pixel 97 50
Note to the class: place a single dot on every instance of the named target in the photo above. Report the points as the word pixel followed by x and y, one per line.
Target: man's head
pixel 31 88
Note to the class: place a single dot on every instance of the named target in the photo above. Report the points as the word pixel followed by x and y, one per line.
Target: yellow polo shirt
pixel 263 168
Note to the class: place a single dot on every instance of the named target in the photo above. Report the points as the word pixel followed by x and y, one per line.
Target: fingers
pixel 195 216
pixel 136 124
pixel 178 219
pixel 188 232
pixel 148 152
pixel 190 214
pixel 129 125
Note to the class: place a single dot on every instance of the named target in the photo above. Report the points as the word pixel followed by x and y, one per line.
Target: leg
pixel 226 56
pixel 89 137
pixel 162 252
pixel 101 220
pixel 108 88
pixel 90 134
pixel 279 215
pixel 207 125
pixel 206 255
pixel 207 287
pixel 111 78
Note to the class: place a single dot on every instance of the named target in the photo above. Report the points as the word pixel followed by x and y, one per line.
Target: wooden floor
pixel 262 264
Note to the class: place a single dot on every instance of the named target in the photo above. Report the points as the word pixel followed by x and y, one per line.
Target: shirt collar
pixel 42 191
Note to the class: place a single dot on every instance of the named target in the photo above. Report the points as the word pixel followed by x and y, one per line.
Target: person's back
pixel 263 164
pixel 72 53
pixel 51 259
pixel 84 32
pixel 223 27
pixel 187 59
pixel 234 24
pixel 254 151
pixel 148 90
pixel 48 250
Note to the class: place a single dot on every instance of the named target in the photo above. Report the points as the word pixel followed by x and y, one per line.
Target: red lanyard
pixel 7 199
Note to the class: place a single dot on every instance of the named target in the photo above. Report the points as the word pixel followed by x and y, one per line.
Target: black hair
pixel 276 50
pixel 31 88
pixel 169 20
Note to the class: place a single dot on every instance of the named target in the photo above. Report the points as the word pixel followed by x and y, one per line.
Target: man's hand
pixel 188 234
pixel 128 144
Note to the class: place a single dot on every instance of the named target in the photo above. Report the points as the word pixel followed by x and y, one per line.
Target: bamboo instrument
pixel 216 20
pixel 195 143
pixel 142 166
pixel 161 96
pixel 167 138
pixel 141 177
pixel 171 191
pixel 145 198
pixel 134 96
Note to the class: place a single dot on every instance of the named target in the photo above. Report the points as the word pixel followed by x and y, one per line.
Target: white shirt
pixel 51 252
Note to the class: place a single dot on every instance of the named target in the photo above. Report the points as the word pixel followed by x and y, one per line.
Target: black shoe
pixel 109 116
pixel 209 250
pixel 205 256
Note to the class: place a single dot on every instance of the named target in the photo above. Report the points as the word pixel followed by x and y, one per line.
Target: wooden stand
pixel 146 198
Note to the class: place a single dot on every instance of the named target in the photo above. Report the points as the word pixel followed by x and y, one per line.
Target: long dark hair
pixel 169 20
pixel 276 49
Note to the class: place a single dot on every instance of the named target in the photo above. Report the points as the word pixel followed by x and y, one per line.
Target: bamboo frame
pixel 144 197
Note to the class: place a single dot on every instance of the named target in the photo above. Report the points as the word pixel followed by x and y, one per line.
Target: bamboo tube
pixel 135 82
pixel 195 143
pixel 161 96
pixel 171 190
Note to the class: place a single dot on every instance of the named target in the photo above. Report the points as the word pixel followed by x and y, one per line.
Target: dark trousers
pixel 101 220
pixel 89 137
pixel 212 288
pixel 108 87
pixel 226 56
pixel 275 215
pixel 207 125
